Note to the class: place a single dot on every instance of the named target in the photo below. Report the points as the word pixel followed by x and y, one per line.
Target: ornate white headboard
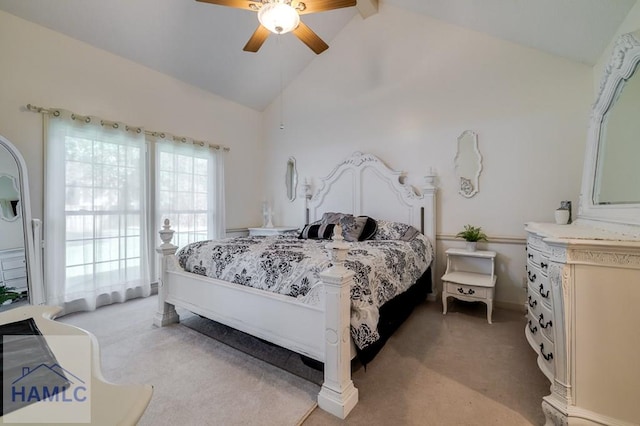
pixel 363 185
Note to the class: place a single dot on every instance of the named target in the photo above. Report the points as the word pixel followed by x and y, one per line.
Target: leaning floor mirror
pixel 20 260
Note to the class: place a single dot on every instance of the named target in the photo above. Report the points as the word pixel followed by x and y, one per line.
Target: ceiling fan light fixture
pixel 279 18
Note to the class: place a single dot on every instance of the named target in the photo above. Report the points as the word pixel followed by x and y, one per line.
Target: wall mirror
pixel 291 179
pixel 611 176
pixel 9 198
pixel 468 164
pixel 19 260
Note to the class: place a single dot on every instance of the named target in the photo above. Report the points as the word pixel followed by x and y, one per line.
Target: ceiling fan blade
pixel 311 39
pixel 239 4
pixel 257 39
pixel 313 6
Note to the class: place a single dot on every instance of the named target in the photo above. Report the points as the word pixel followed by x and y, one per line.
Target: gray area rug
pixel 196 380
pixel 258 348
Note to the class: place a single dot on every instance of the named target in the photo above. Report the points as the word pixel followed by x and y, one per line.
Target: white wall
pixel 49 69
pixel 630 24
pixel 404 87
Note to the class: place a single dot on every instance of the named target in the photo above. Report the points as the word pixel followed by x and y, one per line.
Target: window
pixel 184 190
pixel 99 229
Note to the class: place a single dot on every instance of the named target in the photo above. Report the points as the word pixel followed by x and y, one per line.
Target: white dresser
pixel 13 269
pixel 584 323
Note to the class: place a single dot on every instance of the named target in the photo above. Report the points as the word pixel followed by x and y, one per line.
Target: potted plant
pixel 7 295
pixel 472 234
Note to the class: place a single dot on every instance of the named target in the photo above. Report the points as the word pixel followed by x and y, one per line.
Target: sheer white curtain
pixel 190 188
pixel 95 218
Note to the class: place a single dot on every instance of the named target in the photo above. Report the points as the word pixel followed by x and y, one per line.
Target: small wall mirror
pixel 9 198
pixel 468 163
pixel 291 179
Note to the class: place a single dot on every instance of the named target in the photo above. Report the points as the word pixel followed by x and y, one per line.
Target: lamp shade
pixel 278 18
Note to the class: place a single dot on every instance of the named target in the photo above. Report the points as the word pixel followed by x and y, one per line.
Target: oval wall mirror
pixel 468 163
pixel 291 179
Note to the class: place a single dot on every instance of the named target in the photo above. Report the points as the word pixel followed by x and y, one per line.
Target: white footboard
pixel 320 332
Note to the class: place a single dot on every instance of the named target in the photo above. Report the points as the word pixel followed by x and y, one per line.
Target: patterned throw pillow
pixel 333 218
pixel 395 231
pixel 317 232
pixel 352 227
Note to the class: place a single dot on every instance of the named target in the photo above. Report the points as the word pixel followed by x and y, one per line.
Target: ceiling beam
pixel 367 7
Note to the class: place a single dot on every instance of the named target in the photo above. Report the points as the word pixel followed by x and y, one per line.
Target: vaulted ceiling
pixel 201 43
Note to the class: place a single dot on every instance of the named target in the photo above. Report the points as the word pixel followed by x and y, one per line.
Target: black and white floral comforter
pixel 290 266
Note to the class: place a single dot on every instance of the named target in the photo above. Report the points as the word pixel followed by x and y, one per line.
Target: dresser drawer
pixel 468 290
pixel 546 355
pixel 544 319
pixel 14 262
pixel 533 328
pixel 538 259
pixel 539 285
pixel 18 284
pixel 534 300
pixel 14 273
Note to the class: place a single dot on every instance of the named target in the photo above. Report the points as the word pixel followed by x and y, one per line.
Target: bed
pixel 321 329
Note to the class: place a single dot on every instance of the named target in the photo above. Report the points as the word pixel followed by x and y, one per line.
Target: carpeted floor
pixel 436 370
pixel 197 380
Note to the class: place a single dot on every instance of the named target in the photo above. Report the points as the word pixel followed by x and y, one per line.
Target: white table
pixel 470 276
pixel 276 230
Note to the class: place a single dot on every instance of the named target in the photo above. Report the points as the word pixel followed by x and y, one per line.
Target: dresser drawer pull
pixel 548 357
pixel 544 265
pixel 543 294
pixel 532 304
pixel 532 278
pixel 533 329
pixel 529 255
pixel 542 324
pixel 461 291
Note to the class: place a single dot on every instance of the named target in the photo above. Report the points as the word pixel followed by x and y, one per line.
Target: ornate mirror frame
pixel 29 227
pixel 622 64
pixel 468 164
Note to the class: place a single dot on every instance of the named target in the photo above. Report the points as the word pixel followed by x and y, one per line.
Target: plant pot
pixel 471 245
pixel 562 216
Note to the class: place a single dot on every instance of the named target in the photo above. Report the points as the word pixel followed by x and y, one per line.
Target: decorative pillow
pixel 352 227
pixel 333 218
pixel 317 232
pixel 370 228
pixel 395 231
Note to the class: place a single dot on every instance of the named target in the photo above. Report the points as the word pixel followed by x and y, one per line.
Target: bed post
pixel 429 190
pixel 166 313
pixel 338 395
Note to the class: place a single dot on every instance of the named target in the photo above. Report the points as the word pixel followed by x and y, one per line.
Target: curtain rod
pixel 162 135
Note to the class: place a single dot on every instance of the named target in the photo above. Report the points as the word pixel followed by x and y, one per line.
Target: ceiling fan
pixel 283 16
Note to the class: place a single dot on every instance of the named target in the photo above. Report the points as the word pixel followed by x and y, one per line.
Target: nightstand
pixel 470 276
pixel 276 230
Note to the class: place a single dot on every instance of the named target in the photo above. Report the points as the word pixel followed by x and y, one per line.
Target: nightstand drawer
pixel 467 290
